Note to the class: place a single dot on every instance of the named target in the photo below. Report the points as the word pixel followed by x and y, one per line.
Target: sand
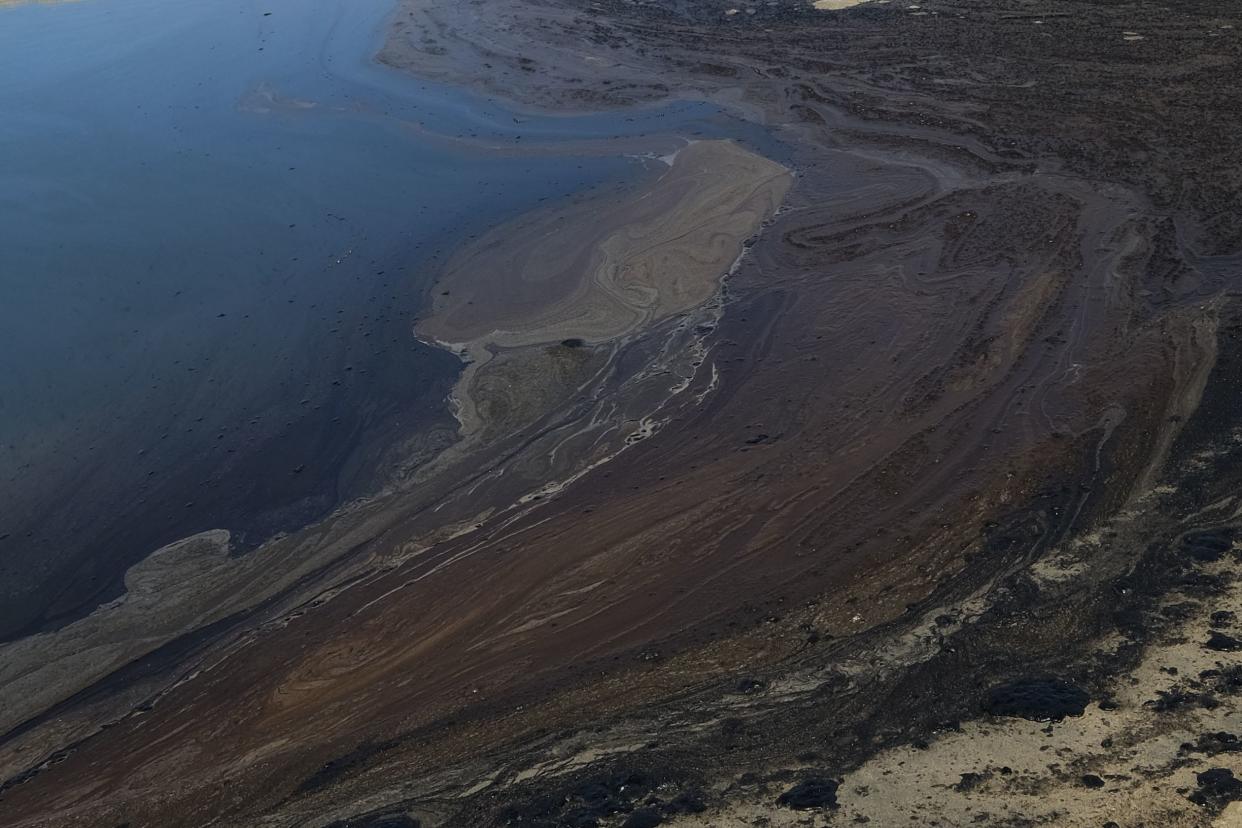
pixel 903 469
pixel 834 5
pixel 598 271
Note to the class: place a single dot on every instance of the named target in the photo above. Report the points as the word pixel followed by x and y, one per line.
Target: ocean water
pixel 218 219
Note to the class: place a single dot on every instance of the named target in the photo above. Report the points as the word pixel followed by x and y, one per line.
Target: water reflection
pixel 220 219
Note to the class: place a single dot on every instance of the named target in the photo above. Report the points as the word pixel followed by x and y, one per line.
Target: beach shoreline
pixel 950 422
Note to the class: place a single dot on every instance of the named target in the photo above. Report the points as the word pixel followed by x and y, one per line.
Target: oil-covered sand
pixel 919 511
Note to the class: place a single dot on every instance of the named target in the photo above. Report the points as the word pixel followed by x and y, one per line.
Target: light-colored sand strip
pixel 601 270
pixel 835 5
pixel 598 271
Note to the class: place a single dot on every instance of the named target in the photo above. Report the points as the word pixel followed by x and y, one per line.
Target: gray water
pixel 216 226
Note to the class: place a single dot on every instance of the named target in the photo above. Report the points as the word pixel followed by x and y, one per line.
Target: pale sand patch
pixel 1231 817
pixel 834 5
pixel 997 771
pixel 599 271
pixel 12 3
pixel 602 270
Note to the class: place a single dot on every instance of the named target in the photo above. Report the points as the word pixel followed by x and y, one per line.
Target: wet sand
pixel 604 268
pixel 835 5
pixel 956 423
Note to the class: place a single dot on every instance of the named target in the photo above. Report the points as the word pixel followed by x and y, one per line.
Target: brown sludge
pixel 962 416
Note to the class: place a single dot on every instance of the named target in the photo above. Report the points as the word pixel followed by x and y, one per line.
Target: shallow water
pixel 219 220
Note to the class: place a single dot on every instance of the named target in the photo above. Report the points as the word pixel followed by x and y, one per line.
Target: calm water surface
pixel 216 224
